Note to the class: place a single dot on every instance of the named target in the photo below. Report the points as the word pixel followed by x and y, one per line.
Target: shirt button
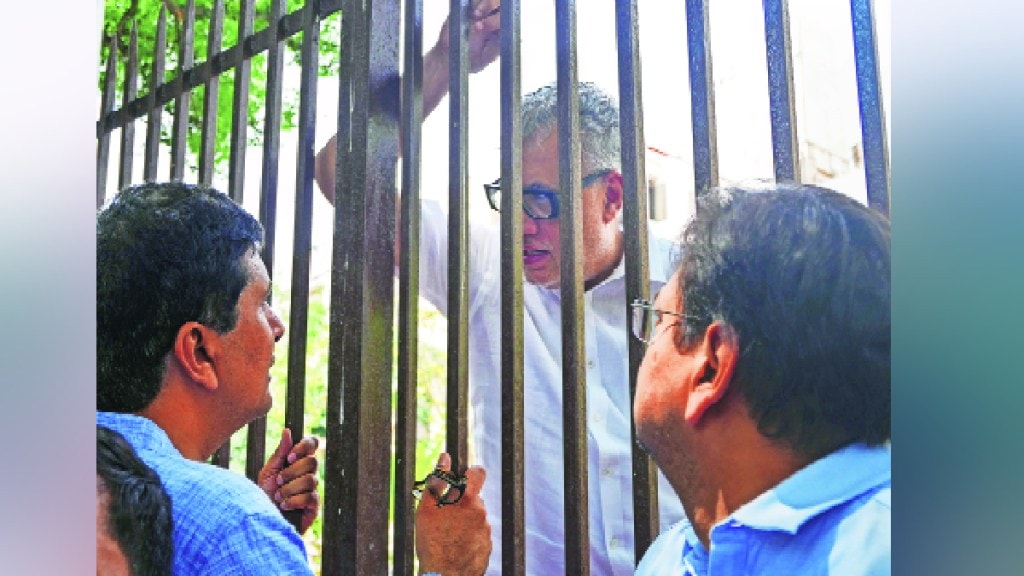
pixel 607 471
pixel 590 363
pixel 614 543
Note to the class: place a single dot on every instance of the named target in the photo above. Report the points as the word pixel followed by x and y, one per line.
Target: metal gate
pixel 360 416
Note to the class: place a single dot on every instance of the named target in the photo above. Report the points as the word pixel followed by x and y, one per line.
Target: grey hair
pixel 599 123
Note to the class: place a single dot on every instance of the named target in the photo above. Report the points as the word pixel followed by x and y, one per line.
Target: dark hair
pixel 139 510
pixel 166 254
pixel 801 274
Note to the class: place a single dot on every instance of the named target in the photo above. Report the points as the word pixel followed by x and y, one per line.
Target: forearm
pixel 435 78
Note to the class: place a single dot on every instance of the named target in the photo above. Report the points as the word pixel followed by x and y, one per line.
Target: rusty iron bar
pixel 256 439
pixel 458 233
pixel 272 142
pixel 869 100
pixel 359 430
pixel 635 214
pixel 411 119
pixel 513 507
pixel 207 152
pixel 208 137
pixel 240 107
pixel 151 160
pixel 295 404
pixel 574 375
pixel 179 130
pixel 131 83
pixel 779 50
pixel 702 98
pixel 106 105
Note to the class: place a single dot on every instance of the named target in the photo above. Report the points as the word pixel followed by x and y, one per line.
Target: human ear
pixel 612 196
pixel 717 353
pixel 193 349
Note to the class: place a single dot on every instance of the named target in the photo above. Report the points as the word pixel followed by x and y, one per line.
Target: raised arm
pixel 484 47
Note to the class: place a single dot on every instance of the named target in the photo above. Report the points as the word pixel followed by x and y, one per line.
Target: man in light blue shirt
pixel 185 342
pixel 764 395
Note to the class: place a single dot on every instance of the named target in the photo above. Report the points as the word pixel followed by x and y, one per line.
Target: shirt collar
pixel 822 485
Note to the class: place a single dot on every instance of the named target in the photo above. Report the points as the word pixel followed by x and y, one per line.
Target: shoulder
pixel 861 532
pixel 224 524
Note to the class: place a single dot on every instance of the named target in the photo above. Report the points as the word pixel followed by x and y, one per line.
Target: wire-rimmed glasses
pixel 645 317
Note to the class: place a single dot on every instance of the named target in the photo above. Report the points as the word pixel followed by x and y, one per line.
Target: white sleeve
pixel 484 257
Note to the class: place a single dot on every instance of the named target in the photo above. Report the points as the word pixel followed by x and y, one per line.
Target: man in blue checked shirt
pixel 185 342
pixel 764 395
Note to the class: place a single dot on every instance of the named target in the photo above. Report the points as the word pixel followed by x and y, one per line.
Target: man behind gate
pixel 606 328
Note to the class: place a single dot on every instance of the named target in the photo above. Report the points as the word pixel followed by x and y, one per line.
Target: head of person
pixel 133 512
pixel 179 277
pixel 601 185
pixel 786 297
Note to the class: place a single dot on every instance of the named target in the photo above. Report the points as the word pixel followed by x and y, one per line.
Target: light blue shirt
pixel 223 523
pixel 832 517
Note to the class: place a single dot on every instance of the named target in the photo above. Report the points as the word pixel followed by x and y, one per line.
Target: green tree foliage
pixel 121 15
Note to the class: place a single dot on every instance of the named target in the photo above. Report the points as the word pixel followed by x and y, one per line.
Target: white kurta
pixel 608 406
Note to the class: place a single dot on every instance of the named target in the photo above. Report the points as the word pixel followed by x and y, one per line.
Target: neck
pixel 728 464
pixel 187 418
pixel 609 267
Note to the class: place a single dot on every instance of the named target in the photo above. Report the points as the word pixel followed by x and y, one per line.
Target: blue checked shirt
pixel 223 523
pixel 831 518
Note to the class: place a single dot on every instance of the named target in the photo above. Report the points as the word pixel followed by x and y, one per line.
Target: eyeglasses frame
pixel 641 303
pixel 494 188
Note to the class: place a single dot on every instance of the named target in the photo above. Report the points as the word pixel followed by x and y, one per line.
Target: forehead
pixel 256 270
pixel 669 296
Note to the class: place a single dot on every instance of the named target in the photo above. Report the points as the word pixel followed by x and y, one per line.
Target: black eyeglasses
pixel 645 317
pixel 539 202
pixel 455 487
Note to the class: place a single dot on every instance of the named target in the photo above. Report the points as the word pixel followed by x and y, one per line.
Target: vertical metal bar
pixel 408 288
pixel 702 98
pixel 208 139
pixel 513 508
pixel 785 146
pixel 131 83
pixel 458 232
pixel 574 375
pixel 359 371
pixel 208 150
pixel 256 440
pixel 872 111
pixel 179 131
pixel 302 245
pixel 222 457
pixel 156 78
pixel 346 293
pixel 106 106
pixel 240 106
pixel 634 185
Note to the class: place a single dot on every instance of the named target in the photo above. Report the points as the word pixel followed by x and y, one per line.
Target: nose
pixel 276 325
pixel 529 225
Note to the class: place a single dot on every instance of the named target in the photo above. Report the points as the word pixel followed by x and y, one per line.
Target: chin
pixel 550 284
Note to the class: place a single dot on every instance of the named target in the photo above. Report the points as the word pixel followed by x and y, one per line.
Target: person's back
pixel 223 523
